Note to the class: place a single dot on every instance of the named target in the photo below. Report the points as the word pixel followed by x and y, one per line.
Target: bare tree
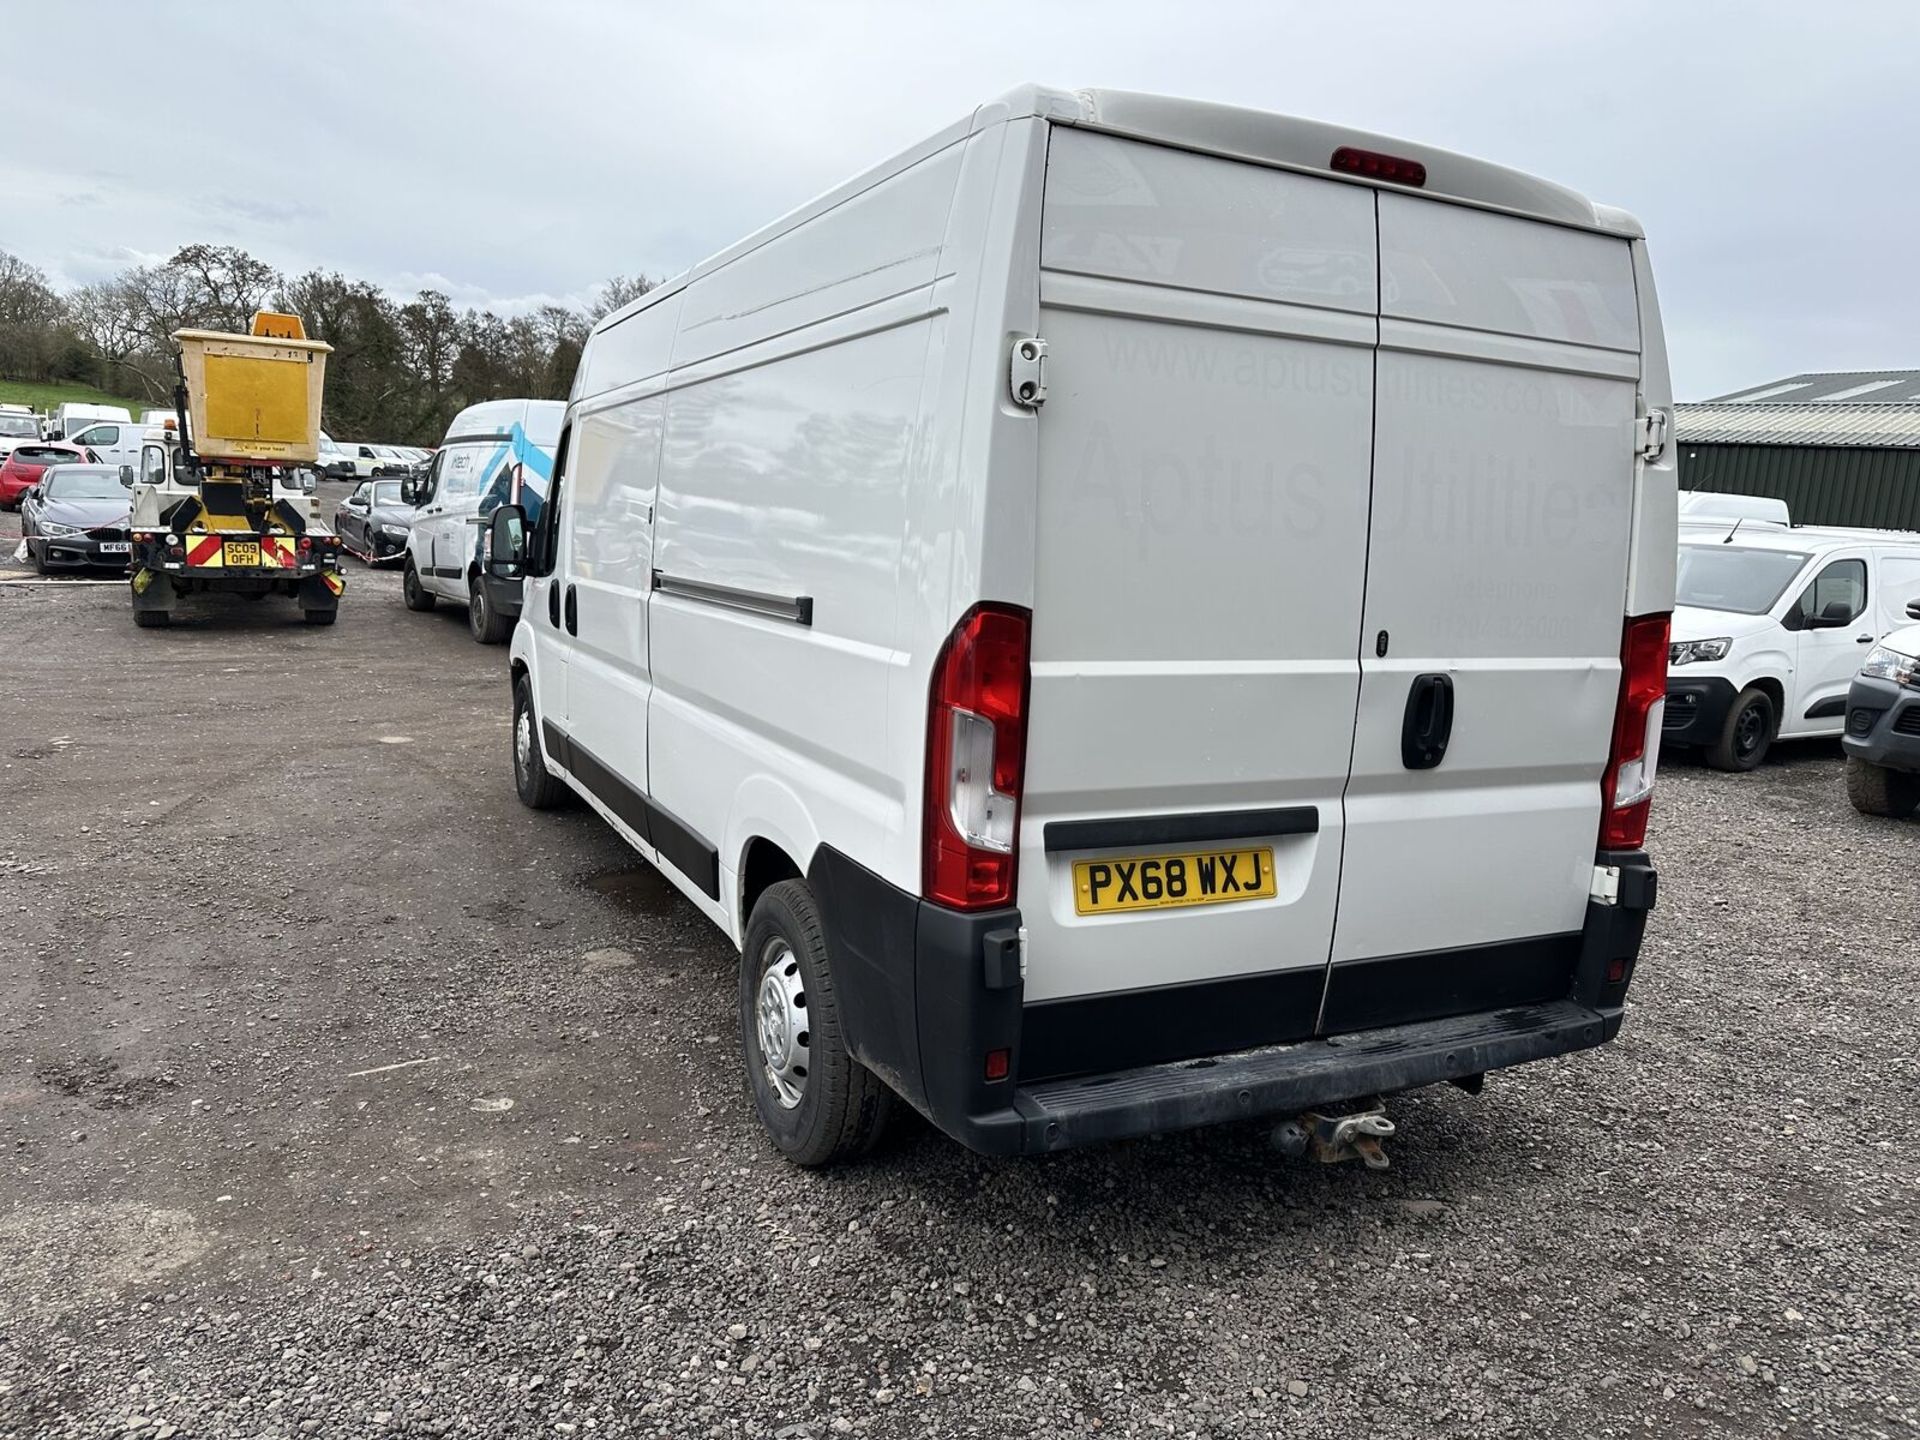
pixel 620 290
pixel 225 284
pixel 105 317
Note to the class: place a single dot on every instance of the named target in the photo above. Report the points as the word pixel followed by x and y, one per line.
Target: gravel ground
pixel 341 1096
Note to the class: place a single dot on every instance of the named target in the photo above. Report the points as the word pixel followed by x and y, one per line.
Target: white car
pixel 1131 614
pixel 1771 627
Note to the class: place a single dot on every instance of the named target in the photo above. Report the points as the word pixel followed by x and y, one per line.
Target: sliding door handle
pixel 573 611
pixel 1428 723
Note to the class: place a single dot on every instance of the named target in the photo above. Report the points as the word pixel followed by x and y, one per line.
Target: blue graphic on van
pixel 520 458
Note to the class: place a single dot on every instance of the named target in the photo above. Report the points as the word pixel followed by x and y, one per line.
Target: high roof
pixel 1833 387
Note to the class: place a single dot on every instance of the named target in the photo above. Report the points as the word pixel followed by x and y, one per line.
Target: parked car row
pixel 357 460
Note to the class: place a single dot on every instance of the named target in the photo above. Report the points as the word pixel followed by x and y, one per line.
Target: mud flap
pixel 152 590
pixel 321 591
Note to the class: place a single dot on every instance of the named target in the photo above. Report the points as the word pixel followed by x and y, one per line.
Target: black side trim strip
pixel 797 608
pixel 445 572
pixel 691 855
pixel 660 828
pixel 1437 984
pixel 1832 708
pixel 1180 829
pixel 1130 1028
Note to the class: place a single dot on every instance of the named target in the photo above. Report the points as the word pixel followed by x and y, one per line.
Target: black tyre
pixel 1876 790
pixel 151 619
pixel 1746 734
pixel 319 617
pixel 536 786
pixel 39 557
pixel 819 1104
pixel 489 627
pixel 412 591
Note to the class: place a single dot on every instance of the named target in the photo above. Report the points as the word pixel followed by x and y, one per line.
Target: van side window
pixel 430 483
pixel 153 464
pixel 100 435
pixel 545 551
pixel 1840 590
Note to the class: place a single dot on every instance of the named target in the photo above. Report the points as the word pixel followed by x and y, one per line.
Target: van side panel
pixel 1503 489
pixel 788 464
pixel 1201 526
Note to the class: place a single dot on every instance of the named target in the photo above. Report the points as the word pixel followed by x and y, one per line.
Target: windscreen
pixel 387 494
pixel 19 425
pixel 76 482
pixel 1726 577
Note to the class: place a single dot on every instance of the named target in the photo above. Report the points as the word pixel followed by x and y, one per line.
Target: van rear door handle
pixel 1428 723
pixel 573 612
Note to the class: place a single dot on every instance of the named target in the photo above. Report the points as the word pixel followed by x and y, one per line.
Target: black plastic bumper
pixel 1883 723
pixel 1696 709
pixel 927 995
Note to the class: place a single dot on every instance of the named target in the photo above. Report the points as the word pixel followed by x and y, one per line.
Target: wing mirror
pixel 1913 609
pixel 1833 615
pixel 410 491
pixel 507 542
pixel 126 476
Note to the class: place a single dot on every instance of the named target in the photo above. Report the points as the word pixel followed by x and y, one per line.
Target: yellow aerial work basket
pixel 255 397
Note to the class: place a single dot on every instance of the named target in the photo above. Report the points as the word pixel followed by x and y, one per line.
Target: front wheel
pixel 151 619
pixel 818 1103
pixel 489 627
pixel 1876 790
pixel 532 781
pixel 1746 734
pixel 412 591
pixel 39 557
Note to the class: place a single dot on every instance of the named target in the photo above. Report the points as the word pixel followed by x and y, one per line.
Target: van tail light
pixel 1626 791
pixel 976 757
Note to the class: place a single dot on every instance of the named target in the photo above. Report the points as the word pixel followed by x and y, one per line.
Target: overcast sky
pixel 507 152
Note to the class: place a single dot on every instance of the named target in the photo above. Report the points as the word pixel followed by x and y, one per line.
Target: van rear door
pixel 1201 540
pixel 1496 578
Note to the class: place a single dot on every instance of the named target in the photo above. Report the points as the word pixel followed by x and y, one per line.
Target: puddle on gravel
pixel 640 890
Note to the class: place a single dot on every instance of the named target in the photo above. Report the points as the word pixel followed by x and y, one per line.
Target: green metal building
pixel 1840 449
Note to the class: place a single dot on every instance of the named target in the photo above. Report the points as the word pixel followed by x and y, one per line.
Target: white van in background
pixel 116 442
pixel 73 416
pixel 496 452
pixel 1132 614
pixel 1771 627
pixel 1713 506
pixel 18 426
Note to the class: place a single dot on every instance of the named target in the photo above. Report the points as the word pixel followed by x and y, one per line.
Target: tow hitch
pixel 1333 1138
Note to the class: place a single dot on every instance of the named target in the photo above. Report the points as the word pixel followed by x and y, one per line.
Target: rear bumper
pixel 1696 709
pixel 925 994
pixel 1883 724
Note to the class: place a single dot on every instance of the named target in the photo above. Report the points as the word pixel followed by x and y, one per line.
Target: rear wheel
pixel 412 591
pixel 1876 790
pixel 151 619
pixel 489 627
pixel 1746 734
pixel 319 617
pixel 536 786
pixel 818 1103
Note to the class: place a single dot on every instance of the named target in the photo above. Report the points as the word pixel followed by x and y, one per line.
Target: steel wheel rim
pixel 523 741
pixel 477 610
pixel 1746 734
pixel 780 1024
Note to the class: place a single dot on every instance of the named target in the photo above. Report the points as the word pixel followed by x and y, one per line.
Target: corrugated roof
pixel 1883 426
pixel 1832 387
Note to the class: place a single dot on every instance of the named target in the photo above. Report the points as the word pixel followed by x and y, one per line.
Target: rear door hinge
pixel 1606 884
pixel 1027 373
pixel 1650 434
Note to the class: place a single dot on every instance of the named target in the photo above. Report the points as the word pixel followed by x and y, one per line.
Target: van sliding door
pixel 1496 576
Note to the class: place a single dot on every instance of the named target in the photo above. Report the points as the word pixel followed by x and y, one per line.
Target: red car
pixel 28 462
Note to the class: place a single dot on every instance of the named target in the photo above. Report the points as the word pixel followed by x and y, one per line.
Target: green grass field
pixel 45 397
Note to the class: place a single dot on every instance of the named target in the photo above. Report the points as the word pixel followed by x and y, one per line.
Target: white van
pixel 1712 506
pixel 1771 627
pixel 116 442
pixel 1131 614
pixel 70 418
pixel 495 452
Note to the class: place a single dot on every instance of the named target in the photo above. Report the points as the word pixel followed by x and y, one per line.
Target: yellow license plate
pixel 1162 882
pixel 240 552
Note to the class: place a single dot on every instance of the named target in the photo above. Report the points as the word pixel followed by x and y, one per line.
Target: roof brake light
pixel 1372 165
